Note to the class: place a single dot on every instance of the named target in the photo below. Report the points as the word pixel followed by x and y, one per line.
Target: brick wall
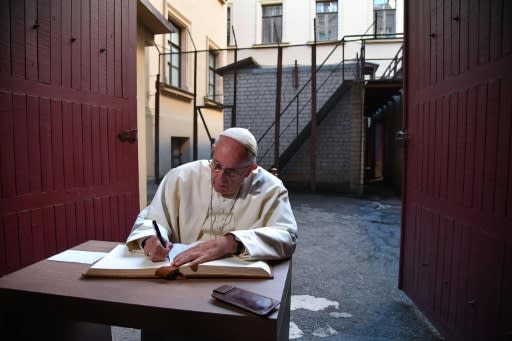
pixel 339 136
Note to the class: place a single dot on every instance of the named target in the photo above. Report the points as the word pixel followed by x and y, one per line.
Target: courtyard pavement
pixel 345 273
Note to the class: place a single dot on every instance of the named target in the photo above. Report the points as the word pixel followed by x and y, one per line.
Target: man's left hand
pixel 206 251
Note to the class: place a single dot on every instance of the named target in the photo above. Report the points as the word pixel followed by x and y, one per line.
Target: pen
pixel 158 234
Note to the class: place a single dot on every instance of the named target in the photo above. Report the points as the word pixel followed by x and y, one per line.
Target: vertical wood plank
pixel 18 39
pixel 76 44
pixel 440 62
pixel 38 247
pixel 496 28
pixel 464 36
pixel 439 149
pixel 110 48
pixel 452 131
pixel 444 155
pixel 102 43
pixel 85 41
pixel 460 162
pixel 78 144
pixel 98 219
pixel 504 151
pixel 473 33
pixel 491 147
pixel 89 219
pixel 455 38
pixel 25 238
pixel 434 38
pixel 20 144
pixel 67 136
pixel 56 43
pixel 125 43
pixel 483 32
pixel 66 35
pixel 469 168
pixel 87 145
pixel 96 144
pixel 5 39
pixel 71 224
pixel 43 41
pixel 479 150
pixel 107 218
pixel 447 38
pixel 7 168
pixel 33 144
pixel 94 53
pixel 60 227
pixel 118 49
pixel 57 145
pixel 431 147
pixel 81 232
pixel 113 118
pixel 123 219
pixel 114 207
pixel 3 247
pixel 103 135
pixel 507 28
pixel 50 238
pixel 45 129
pixel 12 246
pixel 31 40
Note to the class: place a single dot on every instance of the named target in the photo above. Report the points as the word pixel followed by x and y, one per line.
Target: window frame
pixel 272 32
pixel 175 48
pixel 325 27
pixel 212 79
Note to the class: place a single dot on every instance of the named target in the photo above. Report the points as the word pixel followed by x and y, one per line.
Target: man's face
pixel 229 166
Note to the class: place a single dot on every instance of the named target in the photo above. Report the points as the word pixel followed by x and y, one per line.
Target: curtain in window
pixel 272 19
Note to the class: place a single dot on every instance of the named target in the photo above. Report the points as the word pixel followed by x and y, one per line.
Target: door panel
pixel 67 88
pixel 457 216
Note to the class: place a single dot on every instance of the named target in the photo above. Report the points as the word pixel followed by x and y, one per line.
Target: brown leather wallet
pixel 245 299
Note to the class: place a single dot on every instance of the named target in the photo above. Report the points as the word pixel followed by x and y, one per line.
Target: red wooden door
pixel 67 88
pixel 456 260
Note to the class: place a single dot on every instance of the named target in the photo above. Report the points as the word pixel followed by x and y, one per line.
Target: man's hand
pixel 154 249
pixel 206 251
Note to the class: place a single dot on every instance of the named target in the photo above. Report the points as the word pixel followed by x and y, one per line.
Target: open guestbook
pixel 121 262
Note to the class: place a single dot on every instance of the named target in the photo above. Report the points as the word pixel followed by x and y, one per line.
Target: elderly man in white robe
pixel 229 203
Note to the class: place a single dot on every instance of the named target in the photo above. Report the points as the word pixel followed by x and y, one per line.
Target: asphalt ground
pixel 345 273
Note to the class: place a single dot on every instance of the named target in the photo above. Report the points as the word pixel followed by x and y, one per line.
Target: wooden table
pixel 56 290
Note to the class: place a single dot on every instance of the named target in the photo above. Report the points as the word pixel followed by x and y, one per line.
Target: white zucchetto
pixel 244 136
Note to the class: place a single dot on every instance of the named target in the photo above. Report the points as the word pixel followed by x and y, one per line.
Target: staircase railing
pixel 357 74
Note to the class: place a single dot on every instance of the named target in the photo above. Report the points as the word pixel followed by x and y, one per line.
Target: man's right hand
pixel 154 249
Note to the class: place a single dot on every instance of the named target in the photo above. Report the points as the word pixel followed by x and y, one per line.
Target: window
pixel 228 28
pixel 272 24
pixel 326 20
pixel 174 56
pixel 385 22
pixel 211 75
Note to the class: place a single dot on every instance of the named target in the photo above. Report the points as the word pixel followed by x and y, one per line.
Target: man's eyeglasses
pixel 231 173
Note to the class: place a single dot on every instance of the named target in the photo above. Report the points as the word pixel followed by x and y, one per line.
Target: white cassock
pixel 189 209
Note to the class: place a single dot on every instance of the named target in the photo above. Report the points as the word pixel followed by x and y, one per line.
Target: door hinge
pixel 402 136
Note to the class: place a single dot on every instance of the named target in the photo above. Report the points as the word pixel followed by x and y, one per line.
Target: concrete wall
pixel 354 18
pixel 177 105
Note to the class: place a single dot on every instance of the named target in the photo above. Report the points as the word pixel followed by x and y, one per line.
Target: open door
pixel 456 252
pixel 68 151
